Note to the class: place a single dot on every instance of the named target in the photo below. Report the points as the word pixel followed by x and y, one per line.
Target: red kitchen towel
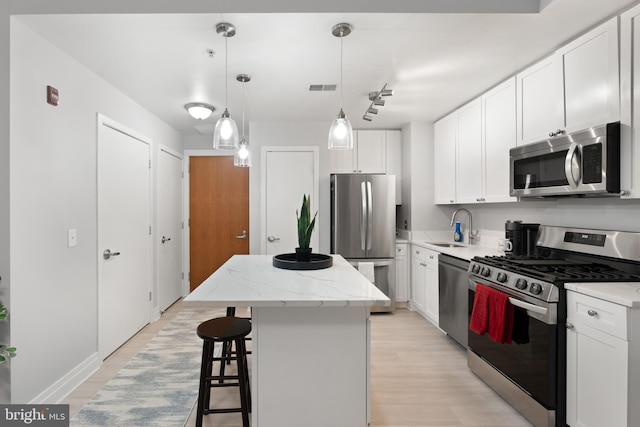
pixel 480 315
pixel 493 313
pixel 500 317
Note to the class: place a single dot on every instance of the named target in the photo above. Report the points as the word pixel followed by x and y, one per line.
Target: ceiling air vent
pixel 322 88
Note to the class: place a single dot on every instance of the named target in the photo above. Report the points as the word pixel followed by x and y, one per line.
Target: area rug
pixel 159 385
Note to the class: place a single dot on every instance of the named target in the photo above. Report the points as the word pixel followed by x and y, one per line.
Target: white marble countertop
pixel 623 293
pixel 466 252
pixel 252 280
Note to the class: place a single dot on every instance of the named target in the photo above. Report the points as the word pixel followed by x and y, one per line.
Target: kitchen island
pixel 310 341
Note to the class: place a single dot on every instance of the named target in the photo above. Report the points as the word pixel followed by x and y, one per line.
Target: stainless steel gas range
pixel 530 373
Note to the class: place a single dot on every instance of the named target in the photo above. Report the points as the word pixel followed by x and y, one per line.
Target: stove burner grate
pixel 550 269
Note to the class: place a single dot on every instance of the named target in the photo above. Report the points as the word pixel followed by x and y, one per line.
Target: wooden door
pixel 219 214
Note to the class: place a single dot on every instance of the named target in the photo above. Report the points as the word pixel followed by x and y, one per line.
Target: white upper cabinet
pixel 540 100
pixel 469 158
pixel 575 88
pixel 368 154
pixel 472 149
pixel 591 85
pixel 372 151
pixel 630 103
pixel 499 135
pixel 444 164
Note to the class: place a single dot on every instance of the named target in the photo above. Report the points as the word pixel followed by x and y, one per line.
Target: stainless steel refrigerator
pixel 363 222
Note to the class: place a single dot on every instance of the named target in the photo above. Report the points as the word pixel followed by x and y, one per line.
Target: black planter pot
pixel 303 254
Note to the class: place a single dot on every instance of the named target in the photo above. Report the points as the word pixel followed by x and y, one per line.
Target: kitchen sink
pixel 447 245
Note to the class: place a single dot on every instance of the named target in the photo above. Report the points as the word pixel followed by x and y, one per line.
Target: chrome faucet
pixel 472 234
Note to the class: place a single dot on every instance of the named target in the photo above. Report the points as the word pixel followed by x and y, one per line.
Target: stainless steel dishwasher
pixel 453 284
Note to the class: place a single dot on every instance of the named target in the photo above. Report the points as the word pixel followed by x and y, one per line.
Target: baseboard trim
pixel 69 382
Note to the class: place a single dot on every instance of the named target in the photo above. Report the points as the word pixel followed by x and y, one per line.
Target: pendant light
pixel 341 133
pixel 242 157
pixel 225 134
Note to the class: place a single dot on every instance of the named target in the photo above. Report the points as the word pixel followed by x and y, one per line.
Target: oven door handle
pixel 528 306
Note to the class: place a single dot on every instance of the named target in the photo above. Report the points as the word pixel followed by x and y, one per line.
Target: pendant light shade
pixel 225 134
pixel 341 132
pixel 242 157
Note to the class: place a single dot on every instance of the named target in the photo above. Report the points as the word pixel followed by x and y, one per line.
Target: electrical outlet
pixel 72 237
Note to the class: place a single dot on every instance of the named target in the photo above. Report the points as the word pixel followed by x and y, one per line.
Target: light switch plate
pixel 72 237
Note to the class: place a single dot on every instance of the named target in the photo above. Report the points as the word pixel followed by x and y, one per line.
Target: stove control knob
pixel 486 272
pixel 536 288
pixel 521 284
pixel 475 269
pixel 502 277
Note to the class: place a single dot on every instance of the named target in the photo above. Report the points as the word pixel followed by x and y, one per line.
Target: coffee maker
pixel 523 237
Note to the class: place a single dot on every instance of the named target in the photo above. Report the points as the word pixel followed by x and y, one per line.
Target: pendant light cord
pixel 226 71
pixel 341 55
pixel 243 109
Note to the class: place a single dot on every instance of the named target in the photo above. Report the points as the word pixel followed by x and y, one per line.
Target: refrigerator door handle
pixel 369 216
pixel 363 218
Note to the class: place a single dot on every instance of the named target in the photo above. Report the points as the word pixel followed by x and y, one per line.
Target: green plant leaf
pixel 2 358
pixel 305 223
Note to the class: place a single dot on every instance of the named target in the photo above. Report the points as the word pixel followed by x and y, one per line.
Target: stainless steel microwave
pixel 583 163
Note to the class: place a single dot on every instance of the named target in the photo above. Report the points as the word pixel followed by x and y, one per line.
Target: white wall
pixel 53 188
pixel 312 134
pixel 417 162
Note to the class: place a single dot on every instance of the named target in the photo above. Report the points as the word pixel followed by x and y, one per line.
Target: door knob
pixel 108 254
pixel 165 239
pixel 272 238
pixel 243 236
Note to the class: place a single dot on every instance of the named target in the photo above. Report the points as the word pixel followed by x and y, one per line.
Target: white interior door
pixel 288 174
pixel 169 235
pixel 123 229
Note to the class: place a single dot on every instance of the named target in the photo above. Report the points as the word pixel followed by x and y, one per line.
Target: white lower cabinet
pixel 424 282
pixel 603 376
pixel 402 273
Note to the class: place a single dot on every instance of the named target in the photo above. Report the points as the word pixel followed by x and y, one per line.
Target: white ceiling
pixel 433 62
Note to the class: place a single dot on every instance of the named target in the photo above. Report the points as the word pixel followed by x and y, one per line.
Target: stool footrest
pixel 221 411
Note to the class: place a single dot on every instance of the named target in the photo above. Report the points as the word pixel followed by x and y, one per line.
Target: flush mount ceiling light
pixel 376 100
pixel 199 110
pixel 341 132
pixel 242 157
pixel 225 134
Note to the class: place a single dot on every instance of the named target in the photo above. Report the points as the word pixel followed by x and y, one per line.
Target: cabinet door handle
pixel 569 325
pixel 592 313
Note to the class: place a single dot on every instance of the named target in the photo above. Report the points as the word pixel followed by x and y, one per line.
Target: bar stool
pixel 224 330
pixel 227 347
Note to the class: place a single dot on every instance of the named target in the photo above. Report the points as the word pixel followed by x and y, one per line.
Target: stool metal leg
pixel 204 389
pixel 243 381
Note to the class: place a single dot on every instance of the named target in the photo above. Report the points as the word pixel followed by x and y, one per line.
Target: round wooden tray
pixel 288 262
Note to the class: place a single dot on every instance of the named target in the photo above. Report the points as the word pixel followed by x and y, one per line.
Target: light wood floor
pixel 419 378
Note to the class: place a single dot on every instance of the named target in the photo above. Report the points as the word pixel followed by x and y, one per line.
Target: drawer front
pixel 401 250
pixel 602 315
pixel 424 255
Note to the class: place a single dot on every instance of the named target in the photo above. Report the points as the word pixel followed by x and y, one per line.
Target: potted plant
pixel 5 352
pixel 305 228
